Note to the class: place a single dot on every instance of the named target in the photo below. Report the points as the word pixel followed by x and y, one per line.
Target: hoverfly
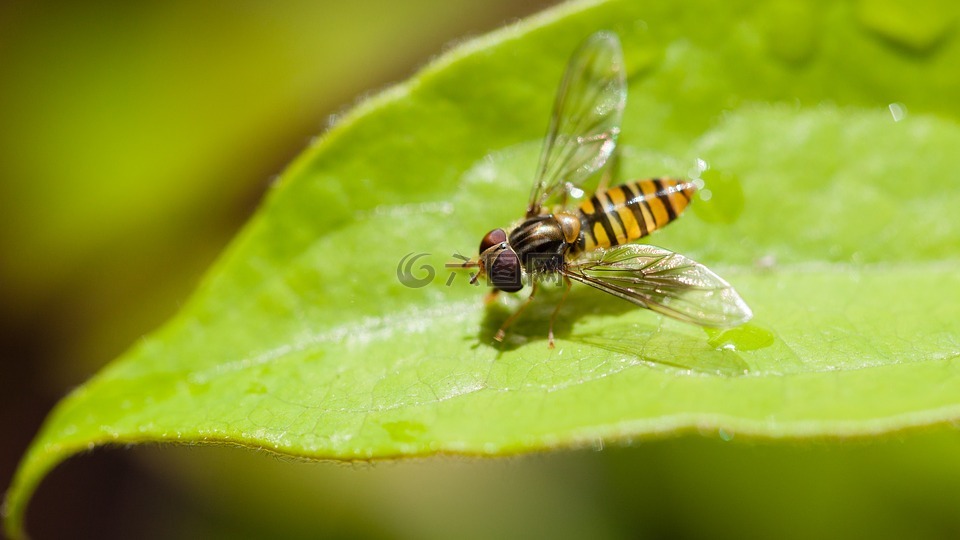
pixel 589 243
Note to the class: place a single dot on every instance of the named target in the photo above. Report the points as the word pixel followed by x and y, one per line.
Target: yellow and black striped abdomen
pixel 630 211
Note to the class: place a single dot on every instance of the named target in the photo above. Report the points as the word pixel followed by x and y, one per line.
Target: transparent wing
pixel 665 282
pixel 586 118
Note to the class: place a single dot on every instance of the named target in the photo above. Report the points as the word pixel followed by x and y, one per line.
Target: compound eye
pixel 505 271
pixel 494 237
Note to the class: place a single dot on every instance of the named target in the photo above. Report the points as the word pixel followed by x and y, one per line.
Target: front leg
pixel 502 332
pixel 553 318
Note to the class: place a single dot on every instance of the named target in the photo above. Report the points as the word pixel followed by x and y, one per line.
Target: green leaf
pixel 829 203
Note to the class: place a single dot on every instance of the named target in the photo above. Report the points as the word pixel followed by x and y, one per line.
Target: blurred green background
pixel 136 139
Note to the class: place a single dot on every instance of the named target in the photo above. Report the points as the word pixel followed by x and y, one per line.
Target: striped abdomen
pixel 630 211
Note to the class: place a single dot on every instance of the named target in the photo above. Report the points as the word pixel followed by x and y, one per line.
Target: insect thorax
pixel 540 244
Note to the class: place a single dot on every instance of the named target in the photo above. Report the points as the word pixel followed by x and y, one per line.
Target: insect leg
pixel 502 332
pixel 553 317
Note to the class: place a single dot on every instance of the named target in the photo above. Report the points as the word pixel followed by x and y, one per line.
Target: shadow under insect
pixel 533 324
pixel 649 343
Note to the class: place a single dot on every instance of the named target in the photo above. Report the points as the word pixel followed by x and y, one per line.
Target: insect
pixel 590 243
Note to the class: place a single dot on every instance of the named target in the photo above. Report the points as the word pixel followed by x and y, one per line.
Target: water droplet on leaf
pixel 748 337
pixel 898 111
pixel 404 431
pixel 722 196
